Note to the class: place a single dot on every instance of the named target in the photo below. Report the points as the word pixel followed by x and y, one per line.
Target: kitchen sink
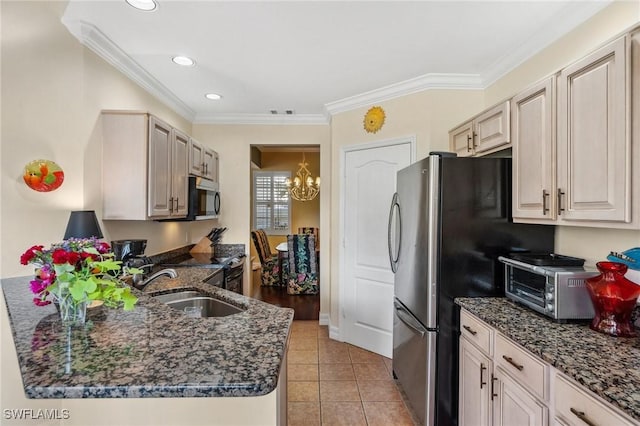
pixel 196 304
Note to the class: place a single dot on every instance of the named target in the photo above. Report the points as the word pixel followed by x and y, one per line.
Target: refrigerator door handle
pixel 406 318
pixel 393 241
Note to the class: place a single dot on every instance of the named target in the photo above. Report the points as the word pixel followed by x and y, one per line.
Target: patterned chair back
pixel 303 268
pixel 261 242
pixel 313 231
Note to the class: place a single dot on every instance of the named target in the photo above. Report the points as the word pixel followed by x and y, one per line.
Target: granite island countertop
pixel 152 351
pixel 608 366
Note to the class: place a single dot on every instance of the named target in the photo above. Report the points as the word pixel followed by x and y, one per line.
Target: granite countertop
pixel 608 366
pixel 152 351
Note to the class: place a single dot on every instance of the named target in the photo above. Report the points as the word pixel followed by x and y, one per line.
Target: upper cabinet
pixel 533 148
pixel 144 167
pixel 486 133
pixel 461 140
pixel 571 152
pixel 203 161
pixel 492 129
pixel 594 145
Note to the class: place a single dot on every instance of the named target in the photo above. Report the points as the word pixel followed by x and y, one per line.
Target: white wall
pixel 53 92
pixel 430 114
pixel 427 115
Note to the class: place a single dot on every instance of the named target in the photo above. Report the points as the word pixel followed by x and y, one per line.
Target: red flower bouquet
pixel 75 272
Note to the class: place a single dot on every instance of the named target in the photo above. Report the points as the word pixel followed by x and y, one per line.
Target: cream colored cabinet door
pixel 196 158
pixel 532 136
pixel 577 407
pixel 461 140
pixel 593 157
pixel 474 407
pixel 159 171
pixel 179 174
pixel 492 128
pixel 515 406
pixel 210 164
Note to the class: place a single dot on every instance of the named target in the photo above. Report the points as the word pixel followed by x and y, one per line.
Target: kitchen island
pixel 605 365
pixel 156 351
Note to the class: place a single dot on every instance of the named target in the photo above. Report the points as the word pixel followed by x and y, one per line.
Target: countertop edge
pixel 267 385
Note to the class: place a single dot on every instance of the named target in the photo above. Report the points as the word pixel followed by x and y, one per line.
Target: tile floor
pixel 335 383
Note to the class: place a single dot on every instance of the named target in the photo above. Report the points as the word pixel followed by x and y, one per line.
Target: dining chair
pixel 270 275
pixel 311 230
pixel 303 268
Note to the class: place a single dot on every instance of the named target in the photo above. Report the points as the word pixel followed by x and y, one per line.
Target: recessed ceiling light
pixel 213 96
pixel 146 5
pixel 183 60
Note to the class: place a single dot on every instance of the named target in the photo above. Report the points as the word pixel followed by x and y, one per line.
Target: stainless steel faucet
pixel 171 273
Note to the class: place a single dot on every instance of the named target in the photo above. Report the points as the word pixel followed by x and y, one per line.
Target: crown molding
pixel 288 148
pixel 407 87
pixel 575 14
pixel 99 43
pixel 268 119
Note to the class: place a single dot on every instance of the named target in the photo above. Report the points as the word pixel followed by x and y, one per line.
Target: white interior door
pixel 367 279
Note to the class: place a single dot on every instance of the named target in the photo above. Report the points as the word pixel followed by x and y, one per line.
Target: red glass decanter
pixel 614 298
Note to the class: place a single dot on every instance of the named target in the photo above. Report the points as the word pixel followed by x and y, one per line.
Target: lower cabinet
pixel 475 385
pixel 575 407
pixel 513 405
pixel 502 384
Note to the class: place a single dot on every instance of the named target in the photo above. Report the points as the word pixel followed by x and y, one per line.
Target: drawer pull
pixel 482 382
pixel 582 416
pixel 560 194
pixel 468 143
pixel 493 381
pixel 470 330
pixel 545 208
pixel 512 362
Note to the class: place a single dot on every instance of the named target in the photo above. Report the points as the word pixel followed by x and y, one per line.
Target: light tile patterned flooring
pixel 335 383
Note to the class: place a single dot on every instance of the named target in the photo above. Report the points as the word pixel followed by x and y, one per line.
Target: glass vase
pixel 72 312
pixel 614 298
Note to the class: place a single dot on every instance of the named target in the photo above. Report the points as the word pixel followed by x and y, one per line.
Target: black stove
pixel 203 260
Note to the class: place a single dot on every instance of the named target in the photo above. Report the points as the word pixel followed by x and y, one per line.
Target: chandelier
pixel 303 187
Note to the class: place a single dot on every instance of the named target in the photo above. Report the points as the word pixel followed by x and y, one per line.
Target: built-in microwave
pixel 204 199
pixel 558 292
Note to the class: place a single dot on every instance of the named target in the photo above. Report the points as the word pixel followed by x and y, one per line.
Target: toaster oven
pixel 558 292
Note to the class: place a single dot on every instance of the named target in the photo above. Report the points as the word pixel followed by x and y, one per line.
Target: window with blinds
pixel 271 202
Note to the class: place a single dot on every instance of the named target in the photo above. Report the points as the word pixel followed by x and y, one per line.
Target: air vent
pixel 286 112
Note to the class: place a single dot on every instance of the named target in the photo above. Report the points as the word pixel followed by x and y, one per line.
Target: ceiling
pixel 315 58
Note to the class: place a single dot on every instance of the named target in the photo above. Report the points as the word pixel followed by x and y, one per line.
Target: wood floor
pixel 306 306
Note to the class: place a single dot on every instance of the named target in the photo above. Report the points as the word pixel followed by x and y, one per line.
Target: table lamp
pixel 83 224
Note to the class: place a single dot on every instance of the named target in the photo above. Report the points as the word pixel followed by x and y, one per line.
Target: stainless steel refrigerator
pixel 450 219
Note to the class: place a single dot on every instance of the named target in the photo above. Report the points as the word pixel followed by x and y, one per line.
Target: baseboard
pixel 334 333
pixel 324 319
